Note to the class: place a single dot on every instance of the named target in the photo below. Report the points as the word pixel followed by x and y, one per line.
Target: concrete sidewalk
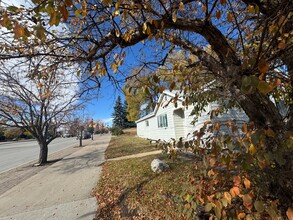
pixel 61 191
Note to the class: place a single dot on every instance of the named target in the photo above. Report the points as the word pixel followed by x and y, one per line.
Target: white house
pixel 168 121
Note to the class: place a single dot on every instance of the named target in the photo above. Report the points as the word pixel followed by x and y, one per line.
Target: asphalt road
pixel 14 154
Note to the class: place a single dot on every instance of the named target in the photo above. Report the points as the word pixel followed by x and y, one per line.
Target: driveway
pixel 60 191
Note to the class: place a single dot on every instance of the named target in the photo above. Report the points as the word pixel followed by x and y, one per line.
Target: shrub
pixel 116 131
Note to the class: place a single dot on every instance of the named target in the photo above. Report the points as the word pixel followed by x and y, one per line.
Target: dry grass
pixel 128 144
pixel 128 189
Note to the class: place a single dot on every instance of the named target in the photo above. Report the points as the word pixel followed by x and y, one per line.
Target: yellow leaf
pixel 263 67
pixel 181 6
pixel 228 196
pixel 107 2
pixel 114 66
pixel 174 16
pixel 204 8
pixel 77 13
pixel 208 207
pixel 117 4
pixel 229 17
pixel 265 87
pixel 251 9
pixel 246 183
pixel 144 27
pixel 252 149
pixel 218 14
pixel 258 205
pixel 241 215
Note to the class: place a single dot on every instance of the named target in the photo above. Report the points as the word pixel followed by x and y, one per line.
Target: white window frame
pixel 162 121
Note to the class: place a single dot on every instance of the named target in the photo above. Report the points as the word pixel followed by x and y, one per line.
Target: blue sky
pixel 102 107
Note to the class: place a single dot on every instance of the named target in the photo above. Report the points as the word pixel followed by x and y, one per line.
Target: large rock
pixel 159 166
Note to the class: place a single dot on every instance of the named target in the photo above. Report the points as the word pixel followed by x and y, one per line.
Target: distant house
pixel 168 121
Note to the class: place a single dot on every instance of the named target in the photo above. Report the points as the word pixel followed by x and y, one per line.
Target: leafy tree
pixel 119 114
pixel 128 123
pixel 245 46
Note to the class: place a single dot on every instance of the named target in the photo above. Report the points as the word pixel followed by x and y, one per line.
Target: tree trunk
pixel 43 156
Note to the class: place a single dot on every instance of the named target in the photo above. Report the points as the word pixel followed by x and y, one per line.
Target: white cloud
pixel 108 121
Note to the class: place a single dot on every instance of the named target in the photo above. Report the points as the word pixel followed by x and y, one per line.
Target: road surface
pixel 13 154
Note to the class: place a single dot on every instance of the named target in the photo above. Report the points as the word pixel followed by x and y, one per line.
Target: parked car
pixel 66 135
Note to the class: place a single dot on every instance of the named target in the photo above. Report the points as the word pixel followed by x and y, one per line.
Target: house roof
pixel 166 92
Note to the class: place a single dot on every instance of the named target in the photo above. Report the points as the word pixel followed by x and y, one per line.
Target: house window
pixel 162 121
pixel 147 123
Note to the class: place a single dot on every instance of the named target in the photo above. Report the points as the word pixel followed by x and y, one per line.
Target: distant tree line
pixel 7 134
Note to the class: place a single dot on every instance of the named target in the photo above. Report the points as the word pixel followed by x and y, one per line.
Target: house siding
pixel 154 132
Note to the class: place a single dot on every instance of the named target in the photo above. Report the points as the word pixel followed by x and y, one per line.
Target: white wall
pixel 154 132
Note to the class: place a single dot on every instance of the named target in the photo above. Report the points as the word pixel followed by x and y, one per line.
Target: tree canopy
pixel 245 46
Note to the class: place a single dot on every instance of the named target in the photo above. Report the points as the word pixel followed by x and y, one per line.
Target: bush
pixel 2 136
pixel 12 133
pixel 117 131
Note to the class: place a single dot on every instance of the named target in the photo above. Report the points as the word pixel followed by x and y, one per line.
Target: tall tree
pixel 119 114
pixel 38 104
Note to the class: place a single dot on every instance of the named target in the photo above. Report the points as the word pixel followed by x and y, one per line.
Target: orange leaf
pixel 237 180
pixel 217 126
pixel 234 191
pixel 218 14
pixel 18 30
pixel 223 2
pixel 251 9
pixel 247 201
pixel 282 45
pixel 244 128
pixel 241 215
pixel 247 183
pixel 212 162
pixel 289 213
pixel 229 17
pixel 263 67
pixel 204 8
pixel 277 82
pixel 270 133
